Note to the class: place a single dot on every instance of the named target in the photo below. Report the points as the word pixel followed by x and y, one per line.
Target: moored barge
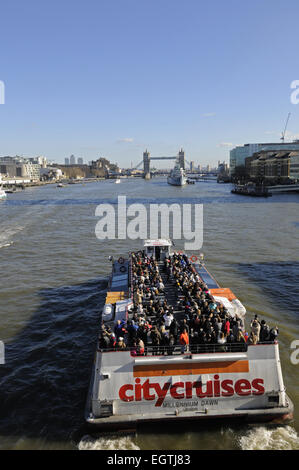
pixel 251 189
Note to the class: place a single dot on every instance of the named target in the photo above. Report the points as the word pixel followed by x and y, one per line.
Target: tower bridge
pixel 147 162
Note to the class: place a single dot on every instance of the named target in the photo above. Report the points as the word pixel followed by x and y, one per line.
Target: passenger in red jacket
pixel 227 328
pixel 184 341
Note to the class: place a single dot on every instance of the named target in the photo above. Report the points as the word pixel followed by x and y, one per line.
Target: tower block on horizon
pixel 182 159
pixel 146 165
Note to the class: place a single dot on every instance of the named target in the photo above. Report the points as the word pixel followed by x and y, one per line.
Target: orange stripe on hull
pixel 160 370
pixel 223 292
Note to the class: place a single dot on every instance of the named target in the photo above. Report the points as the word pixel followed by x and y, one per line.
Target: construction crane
pixel 284 132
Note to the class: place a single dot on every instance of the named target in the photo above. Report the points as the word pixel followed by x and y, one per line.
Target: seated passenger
pixel 171 343
pixel 112 338
pixel 265 332
pixel 253 339
pixel 121 343
pixel 133 349
pixel 227 327
pixel 273 334
pixel 184 325
pixel 140 347
pixel 221 338
pixel 156 338
pixel 132 329
pixel 119 329
pixel 168 318
pixel 240 337
pixel 230 337
pixel 255 328
pixel 140 309
pixel 104 341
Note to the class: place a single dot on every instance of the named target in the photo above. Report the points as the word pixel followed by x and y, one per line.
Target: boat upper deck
pixel 173 306
pixel 206 276
pixel 120 276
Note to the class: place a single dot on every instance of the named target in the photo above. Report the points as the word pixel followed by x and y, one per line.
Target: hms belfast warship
pixel 177 176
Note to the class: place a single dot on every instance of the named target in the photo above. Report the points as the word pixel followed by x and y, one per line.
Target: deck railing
pixel 152 350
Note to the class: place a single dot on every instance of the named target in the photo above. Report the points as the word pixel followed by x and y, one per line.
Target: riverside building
pixel 239 154
pixel 271 166
pixel 22 167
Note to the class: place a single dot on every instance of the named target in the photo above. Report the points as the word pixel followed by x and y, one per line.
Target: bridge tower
pixel 182 159
pixel 146 165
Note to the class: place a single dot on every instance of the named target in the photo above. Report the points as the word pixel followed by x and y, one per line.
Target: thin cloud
pixel 126 140
pixel 225 144
pixel 290 136
pixel 208 114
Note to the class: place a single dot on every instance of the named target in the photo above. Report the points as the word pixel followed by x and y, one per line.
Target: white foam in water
pixel 107 443
pixel 261 438
pixel 5 245
pixel 7 234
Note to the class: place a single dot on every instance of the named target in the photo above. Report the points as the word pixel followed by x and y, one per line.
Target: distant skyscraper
pixel 80 161
pixel 72 160
pixel 191 166
pixel 67 161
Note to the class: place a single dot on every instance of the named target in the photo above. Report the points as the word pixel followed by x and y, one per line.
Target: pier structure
pixel 283 188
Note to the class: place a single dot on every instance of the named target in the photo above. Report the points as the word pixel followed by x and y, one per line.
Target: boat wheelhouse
pixel 159 249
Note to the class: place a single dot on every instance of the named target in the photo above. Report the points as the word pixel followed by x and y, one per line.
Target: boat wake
pixel 262 438
pixel 259 438
pixel 7 234
pixel 5 245
pixel 108 443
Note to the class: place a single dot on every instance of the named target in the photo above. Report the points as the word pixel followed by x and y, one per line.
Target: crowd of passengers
pixel 203 321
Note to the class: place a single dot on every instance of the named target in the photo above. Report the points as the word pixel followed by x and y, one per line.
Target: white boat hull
pixel 128 391
pixel 177 181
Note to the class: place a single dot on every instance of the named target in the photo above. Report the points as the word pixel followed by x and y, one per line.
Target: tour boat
pixel 233 382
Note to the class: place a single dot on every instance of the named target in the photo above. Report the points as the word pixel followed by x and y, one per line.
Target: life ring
pixel 121 260
pixel 122 269
pixel 193 258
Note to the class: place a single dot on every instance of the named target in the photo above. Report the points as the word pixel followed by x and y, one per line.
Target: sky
pixel 115 77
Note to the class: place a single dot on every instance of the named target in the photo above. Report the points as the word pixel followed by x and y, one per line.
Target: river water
pixel 54 274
